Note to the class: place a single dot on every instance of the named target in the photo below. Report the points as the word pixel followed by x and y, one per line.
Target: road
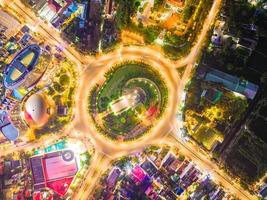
pixel 91 70
pixel 53 36
pixel 101 164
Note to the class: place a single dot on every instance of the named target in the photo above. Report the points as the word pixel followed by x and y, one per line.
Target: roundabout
pixel 132 94
pixel 130 100
pixel 113 102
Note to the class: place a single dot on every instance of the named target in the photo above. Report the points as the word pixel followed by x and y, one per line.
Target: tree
pixel 58 87
pixel 157 4
pixel 181 157
pixel 64 79
pixel 227 44
pixel 188 10
pixel 151 33
pixel 125 11
pixel 229 67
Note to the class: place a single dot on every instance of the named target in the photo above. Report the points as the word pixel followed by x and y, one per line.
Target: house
pixel 7 128
pixel 113 177
pixel 11 172
pixel 217 37
pixel 62 110
pixel 168 159
pixel 149 167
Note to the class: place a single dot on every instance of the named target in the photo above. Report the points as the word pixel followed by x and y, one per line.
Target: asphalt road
pixel 91 70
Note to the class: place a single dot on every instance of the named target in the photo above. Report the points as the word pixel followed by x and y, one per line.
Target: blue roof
pixel 263 191
pixel 7 128
pixel 17 95
pixel 10 132
pixel 72 8
pixel 16 64
pixel 232 83
pixel 179 191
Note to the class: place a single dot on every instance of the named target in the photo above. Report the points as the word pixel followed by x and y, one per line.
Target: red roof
pixel 27 193
pixel 37 196
pixel 60 186
pixel 27 116
pixel 151 111
pixel 20 196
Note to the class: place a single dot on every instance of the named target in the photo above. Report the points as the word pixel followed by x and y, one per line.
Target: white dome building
pixel 36 110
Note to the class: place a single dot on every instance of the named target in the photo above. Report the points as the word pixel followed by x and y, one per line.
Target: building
pixel 37 5
pixel 182 166
pixel 62 110
pixel 187 170
pixel 12 172
pixel 52 10
pixel 7 128
pixel 113 177
pixel 18 70
pixel 218 33
pixel 24 40
pixel 149 167
pixel 208 189
pixel 138 175
pixel 176 3
pixel 9 25
pixel 36 110
pixel 218 194
pixel 109 7
pixel 54 170
pixel 230 82
pixel 263 192
pixel 83 10
pixel 174 165
pixel 168 159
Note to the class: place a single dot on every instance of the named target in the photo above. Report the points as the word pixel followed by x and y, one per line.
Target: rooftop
pixel 232 83
pixel 24 62
pixel 54 170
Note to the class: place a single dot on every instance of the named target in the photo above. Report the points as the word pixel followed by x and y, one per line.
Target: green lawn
pixel 117 78
pixel 121 124
pixel 207 136
pixel 127 77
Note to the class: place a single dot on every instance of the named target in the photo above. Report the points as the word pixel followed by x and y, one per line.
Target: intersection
pixel 91 69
